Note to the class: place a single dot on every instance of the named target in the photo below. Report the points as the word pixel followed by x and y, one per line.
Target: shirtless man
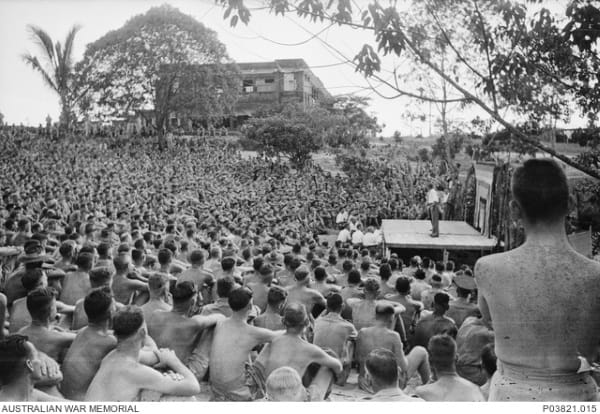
pixel 196 274
pixel 292 350
pixel 232 343
pixel 335 333
pixel 271 318
pixel 158 286
pixel 221 305
pixel 260 288
pixel 321 284
pixel 448 386
pixel 20 367
pixel 41 304
pixel 286 276
pixel 121 376
pixel 472 337
pixel 77 284
pixel 413 307
pixel 382 336
pixel 435 323
pixel 99 277
pixel 383 374
pixel 540 334
pixel 301 293
pixel 177 331
pixel 124 288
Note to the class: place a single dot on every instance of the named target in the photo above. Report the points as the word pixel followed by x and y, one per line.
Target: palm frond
pixel 43 40
pixel 68 52
pixel 35 64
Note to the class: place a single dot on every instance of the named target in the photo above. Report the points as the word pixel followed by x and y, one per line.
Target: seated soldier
pixel 197 275
pixel 41 304
pixel 363 310
pixel 221 305
pixel 177 331
pixel 253 275
pixel 299 292
pixel 428 295
pixel 383 374
pixel 292 350
pixel 448 386
pixel 461 307
pixel 232 343
pixel 321 284
pixel 121 376
pixel 20 367
pixel 19 315
pixel 418 285
pixel 413 308
pixel 335 333
pixel 125 288
pixel 260 288
pixel 472 337
pixel 158 287
pixel 541 334
pixel 77 284
pixel 99 277
pixel 435 323
pixel 382 336
pixel 272 317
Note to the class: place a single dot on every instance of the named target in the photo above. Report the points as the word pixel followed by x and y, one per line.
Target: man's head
pixel 158 284
pixel 385 272
pixel 165 257
pixel 100 276
pixel 335 303
pixel 85 261
pixel 540 192
pixel 98 305
pixel 320 274
pixel 285 384
pixel 128 323
pixel 295 317
pixel 183 294
pixel 18 357
pixel 33 279
pixel 382 367
pixel 224 286
pixel 197 257
pixel 227 264
pixel 384 312
pixel 420 274
pixel 441 303
pixel 266 274
pixel 121 263
pixel 240 299
pixel 41 304
pixel 276 298
pixel 301 275
pixel 403 285
pixel 442 353
pixel 354 277
pixel 371 288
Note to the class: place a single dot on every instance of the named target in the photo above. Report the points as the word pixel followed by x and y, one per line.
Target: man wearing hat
pixel 461 307
pixel 435 323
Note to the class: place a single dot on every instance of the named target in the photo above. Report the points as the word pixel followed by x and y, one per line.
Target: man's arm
pixel 207 321
pixel 322 358
pixel 262 335
pixel 150 379
pixel 398 350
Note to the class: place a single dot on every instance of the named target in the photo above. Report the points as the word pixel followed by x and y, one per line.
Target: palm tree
pixel 56 67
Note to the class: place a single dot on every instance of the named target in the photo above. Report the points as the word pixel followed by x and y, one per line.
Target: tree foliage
pixel 56 67
pixel 529 61
pixel 121 70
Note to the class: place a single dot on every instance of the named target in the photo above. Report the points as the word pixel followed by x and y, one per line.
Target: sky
pixel 24 98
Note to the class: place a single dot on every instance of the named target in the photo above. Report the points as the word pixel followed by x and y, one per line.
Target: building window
pixel 248 85
pixel 269 80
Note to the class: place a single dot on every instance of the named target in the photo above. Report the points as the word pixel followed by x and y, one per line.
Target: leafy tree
pixel 1 119
pixel 122 70
pixel 397 137
pixel 279 135
pixel 528 65
pixel 56 67
pixel 448 145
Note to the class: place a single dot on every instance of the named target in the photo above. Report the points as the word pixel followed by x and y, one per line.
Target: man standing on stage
pixel 433 202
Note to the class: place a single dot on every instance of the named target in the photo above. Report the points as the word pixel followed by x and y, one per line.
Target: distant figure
pixel 542 297
pixel 433 208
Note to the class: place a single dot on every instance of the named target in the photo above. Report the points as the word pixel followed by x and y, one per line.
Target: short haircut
pixel 127 321
pixel 488 359
pixel 383 311
pixel 295 263
pixel 284 384
pixel 276 296
pixel 440 267
pixel 371 285
pixel 420 274
pixel 100 276
pixel 393 264
pixel 85 261
pixel 164 256
pixel 32 278
pixel 239 298
pixel 295 315
pixel 335 302
pixel 13 353
pixel 66 249
pixel 347 265
pixel 137 255
pixel 39 303
pixel 227 263
pixel 403 285
pixel 97 305
pixel 450 266
pixel 225 286
pixel 157 281
pixel 442 352
pixel 258 262
pixel 365 265
pixel 103 249
pixel 197 256
pixel 541 189
pixel 121 263
pixel 383 366
pixel 182 292
pixel 320 273
pixel 354 277
pixel 301 273
pixel 385 271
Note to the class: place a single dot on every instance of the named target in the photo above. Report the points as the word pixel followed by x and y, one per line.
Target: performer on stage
pixel 433 207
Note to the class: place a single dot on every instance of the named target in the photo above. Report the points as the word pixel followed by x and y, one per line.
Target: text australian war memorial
pixel 187 226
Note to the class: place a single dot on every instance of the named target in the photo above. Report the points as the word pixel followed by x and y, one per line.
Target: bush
pixel 424 155
pixel 248 144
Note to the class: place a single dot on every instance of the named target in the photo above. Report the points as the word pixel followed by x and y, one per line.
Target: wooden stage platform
pixel 415 234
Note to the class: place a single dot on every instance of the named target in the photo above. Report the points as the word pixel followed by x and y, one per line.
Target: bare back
pixel 543 303
pixel 174 331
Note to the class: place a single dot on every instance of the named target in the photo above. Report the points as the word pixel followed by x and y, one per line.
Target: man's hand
pixel 168 359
